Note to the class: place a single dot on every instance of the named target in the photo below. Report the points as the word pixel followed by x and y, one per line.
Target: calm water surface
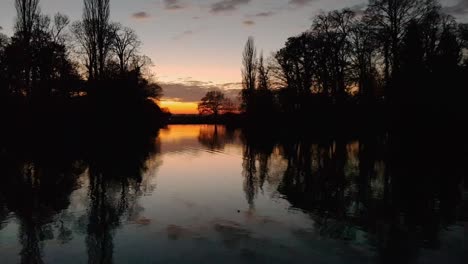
pixel 205 194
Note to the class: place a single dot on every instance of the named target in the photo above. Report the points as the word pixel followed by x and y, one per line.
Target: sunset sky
pixel 197 45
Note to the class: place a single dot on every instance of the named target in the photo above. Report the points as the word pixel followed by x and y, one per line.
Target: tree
pixel 391 18
pixel 249 62
pixel 333 31
pixel 37 60
pixel 61 21
pixel 263 75
pixel 363 49
pixel 125 46
pixel 249 74
pixel 295 70
pixel 296 60
pixel 96 35
pixel 446 67
pixel 27 12
pixel 411 72
pixel 3 68
pixel 212 103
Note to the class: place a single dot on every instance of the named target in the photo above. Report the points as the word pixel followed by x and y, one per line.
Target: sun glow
pixel 176 107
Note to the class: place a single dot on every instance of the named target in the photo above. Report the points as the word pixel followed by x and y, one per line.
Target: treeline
pixel 89 68
pixel 398 55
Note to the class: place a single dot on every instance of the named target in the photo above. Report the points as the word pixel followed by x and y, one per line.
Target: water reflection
pixel 403 201
pixel 379 198
pixel 36 188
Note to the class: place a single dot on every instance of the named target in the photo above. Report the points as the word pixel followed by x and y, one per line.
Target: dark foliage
pixel 399 60
pixel 41 78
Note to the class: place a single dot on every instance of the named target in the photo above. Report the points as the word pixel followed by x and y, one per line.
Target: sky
pixel 196 45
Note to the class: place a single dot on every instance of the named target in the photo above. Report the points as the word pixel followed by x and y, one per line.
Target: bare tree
pixel 391 19
pixel 212 103
pixel 142 64
pixel 333 29
pixel 363 49
pixel 61 21
pixel 86 47
pixel 125 46
pixel 95 34
pixel 27 11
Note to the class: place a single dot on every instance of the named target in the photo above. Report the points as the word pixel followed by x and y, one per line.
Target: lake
pixel 211 194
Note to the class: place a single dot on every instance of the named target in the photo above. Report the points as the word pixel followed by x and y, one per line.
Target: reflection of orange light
pixel 180 132
pixel 180 107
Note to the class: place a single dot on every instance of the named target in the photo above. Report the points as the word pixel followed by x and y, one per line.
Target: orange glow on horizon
pixel 180 107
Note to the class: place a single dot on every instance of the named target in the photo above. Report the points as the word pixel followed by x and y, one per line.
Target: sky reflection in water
pixel 208 194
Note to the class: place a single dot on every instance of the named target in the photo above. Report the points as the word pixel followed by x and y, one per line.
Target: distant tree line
pixel 50 58
pixel 399 53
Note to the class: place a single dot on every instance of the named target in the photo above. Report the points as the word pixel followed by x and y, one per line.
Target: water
pixel 206 194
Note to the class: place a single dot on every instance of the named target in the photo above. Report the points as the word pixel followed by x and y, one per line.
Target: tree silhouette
pixel 36 60
pixel 61 22
pixel 263 74
pixel 391 19
pixel 125 46
pixel 249 73
pixel 295 71
pixel 363 50
pixel 212 103
pixel 95 34
pixel 3 68
pixel 333 30
pixel 396 53
pixel 27 13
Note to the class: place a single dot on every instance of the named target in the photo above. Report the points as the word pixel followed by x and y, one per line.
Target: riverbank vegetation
pixel 89 73
pixel 393 61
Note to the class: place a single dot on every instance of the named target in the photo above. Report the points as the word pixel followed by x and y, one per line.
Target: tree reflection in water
pixel 396 187
pixel 39 179
pixel 115 176
pixel 396 191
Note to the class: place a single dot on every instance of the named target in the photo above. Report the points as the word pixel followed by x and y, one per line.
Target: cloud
pixel 192 90
pixel 172 5
pixel 141 15
pixel 227 5
pixel 264 14
pixel 231 86
pixel 300 2
pixel 461 8
pixel 248 22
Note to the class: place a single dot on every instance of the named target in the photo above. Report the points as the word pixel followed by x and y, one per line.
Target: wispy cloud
pixel 300 2
pixel 173 5
pixel 141 15
pixel 248 23
pixel 227 5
